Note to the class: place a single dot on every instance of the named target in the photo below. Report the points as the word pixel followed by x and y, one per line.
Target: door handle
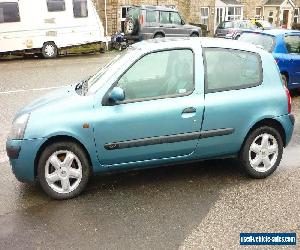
pixel 189 110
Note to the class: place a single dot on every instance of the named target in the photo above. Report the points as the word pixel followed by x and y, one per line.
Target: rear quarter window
pixel 151 16
pixel 242 69
pixel 265 41
pixel 292 44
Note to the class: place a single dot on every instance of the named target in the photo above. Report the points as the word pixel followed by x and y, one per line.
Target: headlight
pixel 18 127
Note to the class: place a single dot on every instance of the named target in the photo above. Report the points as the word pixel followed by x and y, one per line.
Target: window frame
pixel 106 102
pixel 239 87
pixel 296 16
pixel 204 17
pixel 18 8
pixel 258 16
pixel 47 1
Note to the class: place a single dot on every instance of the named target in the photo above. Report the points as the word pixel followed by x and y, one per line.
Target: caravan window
pixel 9 12
pixel 80 8
pixel 56 5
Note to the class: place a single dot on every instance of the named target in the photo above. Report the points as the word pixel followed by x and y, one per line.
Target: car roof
pixel 275 32
pixel 155 7
pixel 192 42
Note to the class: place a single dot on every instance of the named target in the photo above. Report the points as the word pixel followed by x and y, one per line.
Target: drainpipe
pixel 106 32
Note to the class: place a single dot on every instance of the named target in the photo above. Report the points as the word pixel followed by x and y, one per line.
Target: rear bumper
pixel 287 122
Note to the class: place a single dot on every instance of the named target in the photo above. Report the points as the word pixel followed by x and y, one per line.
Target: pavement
pixel 196 206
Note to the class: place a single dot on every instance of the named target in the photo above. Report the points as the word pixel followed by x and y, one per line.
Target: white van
pixel 45 26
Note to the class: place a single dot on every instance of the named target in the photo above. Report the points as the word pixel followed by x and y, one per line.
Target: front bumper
pixel 22 154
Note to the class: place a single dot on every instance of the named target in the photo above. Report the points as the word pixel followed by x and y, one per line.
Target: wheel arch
pixel 270 122
pixel 60 138
pixel 159 33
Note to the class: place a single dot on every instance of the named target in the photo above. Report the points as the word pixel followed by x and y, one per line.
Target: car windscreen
pixel 226 25
pixel 265 41
pixel 134 12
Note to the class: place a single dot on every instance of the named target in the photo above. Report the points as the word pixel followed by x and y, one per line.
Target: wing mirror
pixel 117 95
pixel 182 22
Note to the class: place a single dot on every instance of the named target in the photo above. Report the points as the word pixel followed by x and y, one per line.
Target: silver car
pixel 147 22
pixel 233 29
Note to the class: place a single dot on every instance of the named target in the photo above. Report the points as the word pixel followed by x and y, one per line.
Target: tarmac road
pixel 196 206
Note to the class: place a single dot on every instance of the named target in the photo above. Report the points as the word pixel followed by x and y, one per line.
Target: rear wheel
pixel 49 50
pixel 63 170
pixel 262 152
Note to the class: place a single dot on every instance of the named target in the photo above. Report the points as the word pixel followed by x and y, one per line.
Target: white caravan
pixel 45 26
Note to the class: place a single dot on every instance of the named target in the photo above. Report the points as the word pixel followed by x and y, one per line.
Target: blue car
pixel 285 47
pixel 159 102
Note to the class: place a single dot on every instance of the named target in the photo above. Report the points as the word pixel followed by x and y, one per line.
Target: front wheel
pixel 63 170
pixel 194 35
pixel 262 152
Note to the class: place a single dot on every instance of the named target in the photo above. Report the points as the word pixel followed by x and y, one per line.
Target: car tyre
pixel 63 170
pixel 262 152
pixel 131 26
pixel 158 36
pixel 49 50
pixel 194 35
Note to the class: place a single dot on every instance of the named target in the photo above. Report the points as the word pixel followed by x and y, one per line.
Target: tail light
pixel 289 99
pixel 141 20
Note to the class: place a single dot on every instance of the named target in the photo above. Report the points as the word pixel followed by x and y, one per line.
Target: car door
pixel 165 23
pixel 161 115
pixel 292 43
pixel 178 29
pixel 231 99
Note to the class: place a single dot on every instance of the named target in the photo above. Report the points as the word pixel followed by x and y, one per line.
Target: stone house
pixel 208 12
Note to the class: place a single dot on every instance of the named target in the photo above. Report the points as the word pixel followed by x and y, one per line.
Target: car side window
pixel 241 70
pixel 165 17
pixel 150 16
pixel 175 18
pixel 159 74
pixel 292 44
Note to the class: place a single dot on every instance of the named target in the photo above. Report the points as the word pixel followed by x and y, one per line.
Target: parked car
pixel 285 47
pixel 57 24
pixel 161 102
pixel 148 21
pixel 233 29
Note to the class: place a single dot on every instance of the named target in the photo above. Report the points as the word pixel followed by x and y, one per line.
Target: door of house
pixel 285 18
pixel 220 16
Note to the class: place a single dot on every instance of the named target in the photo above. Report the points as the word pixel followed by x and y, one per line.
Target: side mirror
pixel 117 95
pixel 182 22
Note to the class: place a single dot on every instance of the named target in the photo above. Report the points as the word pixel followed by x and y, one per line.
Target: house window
pixel 234 13
pixel 124 12
pixel 56 5
pixel 9 12
pixel 258 12
pixel 296 15
pixel 204 13
pixel 80 8
pixel 270 17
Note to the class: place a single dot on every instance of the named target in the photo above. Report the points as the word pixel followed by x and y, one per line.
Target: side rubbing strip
pixel 168 139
